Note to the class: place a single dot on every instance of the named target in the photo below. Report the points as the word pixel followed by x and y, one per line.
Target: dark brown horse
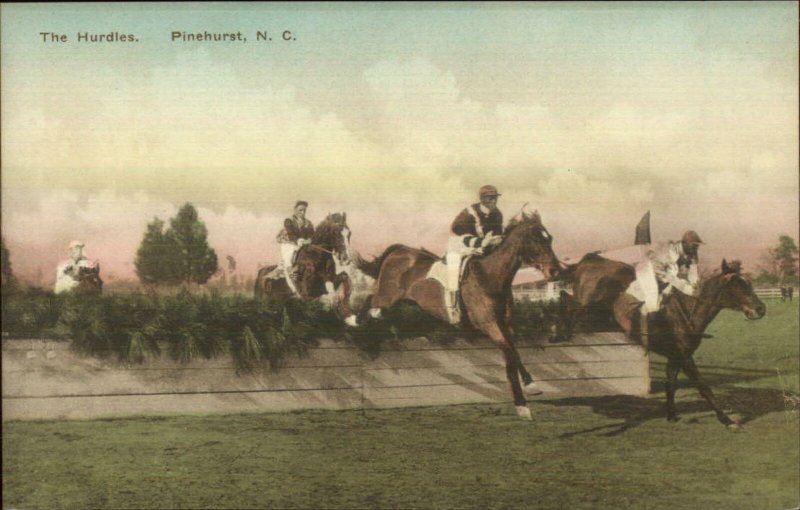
pixel 89 281
pixel 485 289
pixel 318 270
pixel 675 331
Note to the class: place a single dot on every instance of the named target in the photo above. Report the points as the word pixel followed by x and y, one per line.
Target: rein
pixel 320 248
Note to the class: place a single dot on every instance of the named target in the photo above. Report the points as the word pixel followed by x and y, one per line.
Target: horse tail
pixel 567 274
pixel 373 267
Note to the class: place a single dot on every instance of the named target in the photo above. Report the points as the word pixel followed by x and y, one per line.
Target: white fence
pixel 768 293
pixel 548 293
pixel 551 292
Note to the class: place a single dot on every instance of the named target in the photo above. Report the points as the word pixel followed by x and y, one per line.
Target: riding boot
pixel 453 307
pixel 291 281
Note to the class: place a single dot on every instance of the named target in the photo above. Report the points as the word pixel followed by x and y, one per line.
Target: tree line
pixel 180 255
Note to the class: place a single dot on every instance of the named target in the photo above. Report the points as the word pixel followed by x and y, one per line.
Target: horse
pixel 485 290
pixel 89 281
pixel 787 293
pixel 676 330
pixel 319 269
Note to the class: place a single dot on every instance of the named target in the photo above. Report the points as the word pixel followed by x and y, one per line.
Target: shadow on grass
pixel 747 403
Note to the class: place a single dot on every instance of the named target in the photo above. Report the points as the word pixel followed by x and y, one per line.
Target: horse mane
pixel 734 267
pixel 516 221
pixel 327 230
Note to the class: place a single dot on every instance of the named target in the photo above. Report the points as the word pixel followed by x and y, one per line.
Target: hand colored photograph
pixel 400 255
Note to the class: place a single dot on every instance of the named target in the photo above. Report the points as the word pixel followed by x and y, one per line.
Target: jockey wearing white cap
pixel 67 271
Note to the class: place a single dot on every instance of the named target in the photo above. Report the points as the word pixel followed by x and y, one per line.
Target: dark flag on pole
pixel 643 230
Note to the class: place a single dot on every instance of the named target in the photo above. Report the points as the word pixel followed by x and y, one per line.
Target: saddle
pixel 452 300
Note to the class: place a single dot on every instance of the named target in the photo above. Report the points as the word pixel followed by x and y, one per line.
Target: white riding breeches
pixel 287 254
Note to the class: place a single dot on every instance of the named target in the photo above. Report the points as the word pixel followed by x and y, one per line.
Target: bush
pixel 133 327
pixel 30 313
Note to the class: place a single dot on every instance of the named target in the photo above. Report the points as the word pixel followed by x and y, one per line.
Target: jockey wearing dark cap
pixel 481 222
pixel 476 228
pixel 296 233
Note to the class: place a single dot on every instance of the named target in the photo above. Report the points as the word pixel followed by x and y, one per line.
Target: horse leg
pixel 529 385
pixel 493 331
pixel 388 289
pixel 624 307
pixel 343 281
pixel 508 316
pixel 673 367
pixel 691 370
pixel 566 317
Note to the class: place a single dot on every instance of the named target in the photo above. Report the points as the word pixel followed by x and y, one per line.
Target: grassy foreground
pixel 602 452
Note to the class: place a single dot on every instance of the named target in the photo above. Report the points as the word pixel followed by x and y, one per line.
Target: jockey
pixel 476 228
pixel 296 233
pixel 67 271
pixel 667 267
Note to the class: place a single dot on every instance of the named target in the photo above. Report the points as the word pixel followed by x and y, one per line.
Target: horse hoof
pixel 734 426
pixel 351 321
pixel 375 313
pixel 524 413
pixel 532 389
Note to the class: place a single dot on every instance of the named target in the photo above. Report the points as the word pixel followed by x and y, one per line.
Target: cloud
pixel 99 165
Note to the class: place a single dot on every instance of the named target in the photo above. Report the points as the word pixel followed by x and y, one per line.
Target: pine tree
pixel 7 280
pixel 157 258
pixel 197 260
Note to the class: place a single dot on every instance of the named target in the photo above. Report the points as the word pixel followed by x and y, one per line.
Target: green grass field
pixel 603 452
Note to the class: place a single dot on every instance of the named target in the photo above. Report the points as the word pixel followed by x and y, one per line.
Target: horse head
pixel 731 290
pixel 89 278
pixel 536 243
pixel 333 234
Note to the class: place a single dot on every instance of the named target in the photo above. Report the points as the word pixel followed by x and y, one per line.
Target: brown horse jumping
pixel 485 289
pixel 318 272
pixel 676 330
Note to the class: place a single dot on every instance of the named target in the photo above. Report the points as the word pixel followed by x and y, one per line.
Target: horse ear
pixel 344 217
pixel 725 267
pixel 536 216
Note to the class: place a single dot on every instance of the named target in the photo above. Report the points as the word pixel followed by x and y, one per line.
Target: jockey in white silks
pixel 667 267
pixel 296 232
pixel 67 271
pixel 475 228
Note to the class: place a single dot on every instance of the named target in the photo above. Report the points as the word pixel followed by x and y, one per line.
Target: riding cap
pixel 300 202
pixel 488 191
pixel 76 244
pixel 691 237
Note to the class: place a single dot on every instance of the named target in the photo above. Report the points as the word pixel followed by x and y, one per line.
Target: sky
pixel 591 112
